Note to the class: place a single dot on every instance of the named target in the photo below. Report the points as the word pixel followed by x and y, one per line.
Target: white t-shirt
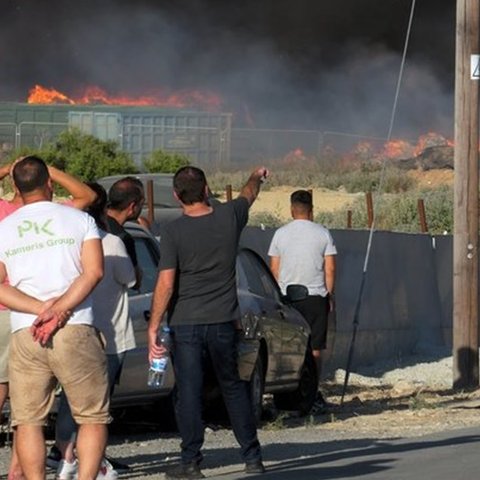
pixel 302 246
pixel 110 297
pixel 40 245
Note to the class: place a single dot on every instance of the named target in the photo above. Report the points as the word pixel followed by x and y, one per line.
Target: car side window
pixel 148 263
pixel 257 276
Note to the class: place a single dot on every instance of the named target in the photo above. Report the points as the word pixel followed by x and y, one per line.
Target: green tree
pixel 161 161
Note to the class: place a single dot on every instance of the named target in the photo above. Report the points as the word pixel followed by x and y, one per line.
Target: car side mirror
pixel 295 293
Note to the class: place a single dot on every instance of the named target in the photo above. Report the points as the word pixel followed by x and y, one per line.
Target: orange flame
pixel 95 95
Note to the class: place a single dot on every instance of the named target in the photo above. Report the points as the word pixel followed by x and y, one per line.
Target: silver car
pixel 274 352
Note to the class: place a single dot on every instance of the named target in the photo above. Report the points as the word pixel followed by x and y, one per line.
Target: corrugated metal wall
pixel 203 136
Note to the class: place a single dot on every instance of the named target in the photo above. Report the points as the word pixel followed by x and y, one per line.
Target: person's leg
pixel 5 334
pixel 31 397
pixel 65 430
pixel 222 346
pixel 188 367
pixel 30 446
pixel 3 397
pixel 315 311
pixel 83 376
pixel 91 443
pixel 15 470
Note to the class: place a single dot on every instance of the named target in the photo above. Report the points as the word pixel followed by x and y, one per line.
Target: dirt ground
pixel 401 410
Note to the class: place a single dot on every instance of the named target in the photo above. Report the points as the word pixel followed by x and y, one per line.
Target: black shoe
pixel 118 466
pixel 254 467
pixel 53 458
pixel 321 406
pixel 184 471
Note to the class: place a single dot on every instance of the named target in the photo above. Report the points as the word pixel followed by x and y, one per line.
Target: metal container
pixel 203 136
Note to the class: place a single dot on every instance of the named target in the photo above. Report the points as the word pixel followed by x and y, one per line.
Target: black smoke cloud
pixel 309 64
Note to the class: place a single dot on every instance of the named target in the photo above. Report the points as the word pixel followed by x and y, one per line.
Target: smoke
pixel 330 65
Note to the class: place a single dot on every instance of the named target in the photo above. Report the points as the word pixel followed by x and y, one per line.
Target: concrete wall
pixel 406 303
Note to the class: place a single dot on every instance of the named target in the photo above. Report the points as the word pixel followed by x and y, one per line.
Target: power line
pixel 379 190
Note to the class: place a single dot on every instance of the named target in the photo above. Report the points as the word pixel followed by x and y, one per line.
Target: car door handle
pixel 147 315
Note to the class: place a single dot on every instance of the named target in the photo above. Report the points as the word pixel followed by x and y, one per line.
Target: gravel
pixel 403 398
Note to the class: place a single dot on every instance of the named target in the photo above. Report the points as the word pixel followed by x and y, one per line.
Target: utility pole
pixel 465 241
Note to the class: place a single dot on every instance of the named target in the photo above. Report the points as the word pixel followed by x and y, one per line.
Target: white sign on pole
pixel 475 67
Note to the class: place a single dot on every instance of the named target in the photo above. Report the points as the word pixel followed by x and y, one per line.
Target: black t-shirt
pixel 116 229
pixel 203 251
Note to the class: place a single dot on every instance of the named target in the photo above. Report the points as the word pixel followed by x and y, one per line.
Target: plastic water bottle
pixel 158 367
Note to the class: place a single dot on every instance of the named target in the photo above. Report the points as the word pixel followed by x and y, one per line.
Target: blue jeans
pixel 65 425
pixel 191 344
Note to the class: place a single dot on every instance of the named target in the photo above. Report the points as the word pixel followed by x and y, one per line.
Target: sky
pixel 305 64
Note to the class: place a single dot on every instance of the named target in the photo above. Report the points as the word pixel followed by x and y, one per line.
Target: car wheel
pixel 303 397
pixel 257 387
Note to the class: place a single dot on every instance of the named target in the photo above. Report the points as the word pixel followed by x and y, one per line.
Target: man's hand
pixel 252 187
pixel 154 350
pixel 48 322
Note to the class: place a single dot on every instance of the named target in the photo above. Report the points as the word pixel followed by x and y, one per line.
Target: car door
pixel 282 324
pixel 261 304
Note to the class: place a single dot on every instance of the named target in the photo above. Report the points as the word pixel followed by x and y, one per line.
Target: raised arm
pixel 82 195
pixel 5 170
pixel 251 189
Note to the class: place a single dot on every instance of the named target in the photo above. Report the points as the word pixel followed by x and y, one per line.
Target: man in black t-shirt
pixel 197 286
pixel 125 201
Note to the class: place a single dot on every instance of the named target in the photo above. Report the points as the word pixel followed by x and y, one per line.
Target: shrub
pixel 88 157
pixel 165 162
pixel 398 212
pixel 264 219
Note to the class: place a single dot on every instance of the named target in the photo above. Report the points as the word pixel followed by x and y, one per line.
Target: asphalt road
pixel 306 454
pixel 452 455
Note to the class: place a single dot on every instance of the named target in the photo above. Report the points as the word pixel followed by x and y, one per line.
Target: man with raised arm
pixel 197 286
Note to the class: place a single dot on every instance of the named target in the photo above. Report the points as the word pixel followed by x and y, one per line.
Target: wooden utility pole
pixel 465 241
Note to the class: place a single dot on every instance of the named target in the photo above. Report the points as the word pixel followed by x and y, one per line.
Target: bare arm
pixel 275 267
pixel 92 273
pixel 5 170
pixel 83 196
pixel 16 300
pixel 49 321
pixel 161 298
pixel 330 264
pixel 251 189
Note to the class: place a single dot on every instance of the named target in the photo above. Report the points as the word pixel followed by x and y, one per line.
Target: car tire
pixel 303 397
pixel 257 388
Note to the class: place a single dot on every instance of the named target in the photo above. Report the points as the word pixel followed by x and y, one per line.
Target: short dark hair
pixel 302 199
pixel 30 173
pixel 189 184
pixel 97 208
pixel 125 191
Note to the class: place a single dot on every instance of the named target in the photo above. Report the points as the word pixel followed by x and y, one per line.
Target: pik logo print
pixel 33 227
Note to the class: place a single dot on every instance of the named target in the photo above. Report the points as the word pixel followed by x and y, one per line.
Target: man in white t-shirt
pixel 53 257
pixel 303 252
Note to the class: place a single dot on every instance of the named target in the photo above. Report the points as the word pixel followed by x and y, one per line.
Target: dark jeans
pixel 191 344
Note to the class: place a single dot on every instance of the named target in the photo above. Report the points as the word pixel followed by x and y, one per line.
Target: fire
pixel 95 95
pixel 398 149
pixel 39 94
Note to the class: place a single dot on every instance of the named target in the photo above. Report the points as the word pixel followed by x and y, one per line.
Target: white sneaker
pixel 107 472
pixel 67 471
